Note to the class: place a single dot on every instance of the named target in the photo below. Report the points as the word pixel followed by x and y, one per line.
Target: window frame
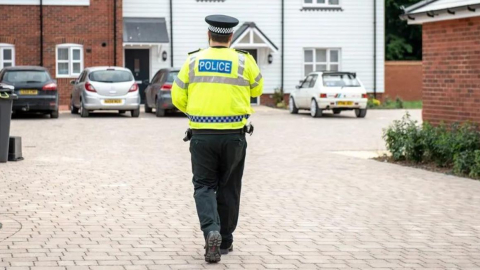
pixel 326 4
pixel 71 47
pixel 328 62
pixel 3 47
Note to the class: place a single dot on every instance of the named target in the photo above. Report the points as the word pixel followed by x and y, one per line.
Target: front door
pixel 254 54
pixel 138 61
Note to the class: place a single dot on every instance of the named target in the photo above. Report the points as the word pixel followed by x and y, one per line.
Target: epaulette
pixel 194 51
pixel 242 51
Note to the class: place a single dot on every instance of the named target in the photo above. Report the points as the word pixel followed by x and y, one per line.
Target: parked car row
pixel 115 88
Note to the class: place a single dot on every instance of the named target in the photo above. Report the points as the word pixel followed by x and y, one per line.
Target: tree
pixel 402 41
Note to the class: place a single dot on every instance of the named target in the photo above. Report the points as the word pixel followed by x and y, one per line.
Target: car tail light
pixel 166 87
pixel 323 95
pixel 364 96
pixel 89 87
pixel 50 87
pixel 134 88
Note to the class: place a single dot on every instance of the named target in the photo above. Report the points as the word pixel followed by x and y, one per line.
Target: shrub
pixel 457 139
pixel 463 162
pixel 278 95
pixel 398 103
pixel 396 136
pixel 475 169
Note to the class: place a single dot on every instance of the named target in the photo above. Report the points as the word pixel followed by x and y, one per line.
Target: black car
pixel 158 95
pixel 36 90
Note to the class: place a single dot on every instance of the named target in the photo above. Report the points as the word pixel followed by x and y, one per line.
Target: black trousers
pixel 217 164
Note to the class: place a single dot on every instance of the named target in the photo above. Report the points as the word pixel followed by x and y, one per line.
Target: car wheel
pixel 292 107
pixel 122 112
pixel 361 113
pixel 336 111
pixel 73 109
pixel 54 114
pixel 158 111
pixel 314 110
pixel 84 112
pixel 148 109
pixel 135 113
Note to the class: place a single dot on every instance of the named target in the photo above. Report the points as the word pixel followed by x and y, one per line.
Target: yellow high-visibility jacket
pixel 214 88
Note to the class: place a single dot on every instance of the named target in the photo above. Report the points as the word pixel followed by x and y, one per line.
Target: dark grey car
pixel 158 95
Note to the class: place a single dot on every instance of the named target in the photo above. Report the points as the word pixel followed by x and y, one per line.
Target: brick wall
pixel 403 79
pixel 451 68
pixel 90 26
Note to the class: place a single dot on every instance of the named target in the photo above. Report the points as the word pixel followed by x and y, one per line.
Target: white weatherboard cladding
pixel 47 2
pixel 350 30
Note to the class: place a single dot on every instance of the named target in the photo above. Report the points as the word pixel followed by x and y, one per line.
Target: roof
pixel 439 10
pixel 250 26
pixel 145 30
pixel 25 68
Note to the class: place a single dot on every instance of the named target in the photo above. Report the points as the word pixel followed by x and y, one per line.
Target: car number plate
pixel 28 92
pixel 113 101
pixel 345 103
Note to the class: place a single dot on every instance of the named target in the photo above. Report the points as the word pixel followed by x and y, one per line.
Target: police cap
pixel 221 24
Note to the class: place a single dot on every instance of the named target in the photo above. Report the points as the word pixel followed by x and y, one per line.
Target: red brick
pixel 87 25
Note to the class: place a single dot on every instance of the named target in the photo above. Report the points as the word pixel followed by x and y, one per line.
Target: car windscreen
pixel 340 80
pixel 26 76
pixel 172 76
pixel 111 76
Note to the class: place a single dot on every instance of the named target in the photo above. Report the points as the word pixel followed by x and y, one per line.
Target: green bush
pixel 457 139
pixel 463 162
pixel 396 137
pixel 475 169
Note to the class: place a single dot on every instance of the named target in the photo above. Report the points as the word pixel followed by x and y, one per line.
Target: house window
pixel 321 60
pixel 7 55
pixel 69 60
pixel 321 3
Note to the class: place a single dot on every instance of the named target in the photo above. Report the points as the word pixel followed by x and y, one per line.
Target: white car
pixel 336 91
pixel 105 88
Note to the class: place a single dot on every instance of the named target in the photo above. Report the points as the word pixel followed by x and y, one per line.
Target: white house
pixel 346 35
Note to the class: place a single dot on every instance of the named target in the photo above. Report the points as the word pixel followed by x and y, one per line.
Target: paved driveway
pixel 114 192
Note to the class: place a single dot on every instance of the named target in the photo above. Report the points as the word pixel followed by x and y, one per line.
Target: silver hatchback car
pixel 105 88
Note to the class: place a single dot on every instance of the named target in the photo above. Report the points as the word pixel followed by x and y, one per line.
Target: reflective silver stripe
pixel 241 64
pixel 257 81
pixel 218 79
pixel 181 84
pixel 191 72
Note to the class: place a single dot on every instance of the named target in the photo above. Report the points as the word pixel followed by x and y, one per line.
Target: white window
pixel 69 60
pixel 7 55
pixel 321 60
pixel 321 3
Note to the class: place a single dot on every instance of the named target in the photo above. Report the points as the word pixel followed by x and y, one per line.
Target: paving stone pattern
pixel 113 192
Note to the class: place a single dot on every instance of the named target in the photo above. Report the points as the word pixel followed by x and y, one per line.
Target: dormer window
pixel 321 3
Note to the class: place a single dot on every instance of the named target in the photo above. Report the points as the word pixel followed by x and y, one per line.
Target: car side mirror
pixel 73 82
pixel 146 82
pixel 297 86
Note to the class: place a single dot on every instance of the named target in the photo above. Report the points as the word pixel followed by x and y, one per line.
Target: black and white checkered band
pixel 220 30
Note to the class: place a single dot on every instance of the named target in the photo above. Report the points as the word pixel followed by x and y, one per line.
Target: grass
pixel 395 104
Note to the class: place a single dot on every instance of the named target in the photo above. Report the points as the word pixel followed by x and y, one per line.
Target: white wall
pixel 47 2
pixel 351 30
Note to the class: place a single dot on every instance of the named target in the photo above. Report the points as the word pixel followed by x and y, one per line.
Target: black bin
pixel 6 100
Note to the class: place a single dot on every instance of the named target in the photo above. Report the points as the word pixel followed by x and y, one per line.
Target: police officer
pixel 213 89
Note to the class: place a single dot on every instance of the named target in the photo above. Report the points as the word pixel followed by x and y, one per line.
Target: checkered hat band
pixel 220 30
pixel 217 119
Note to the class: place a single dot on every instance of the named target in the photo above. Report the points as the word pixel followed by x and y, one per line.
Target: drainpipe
pixel 41 32
pixel 171 33
pixel 375 49
pixel 283 46
pixel 115 32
